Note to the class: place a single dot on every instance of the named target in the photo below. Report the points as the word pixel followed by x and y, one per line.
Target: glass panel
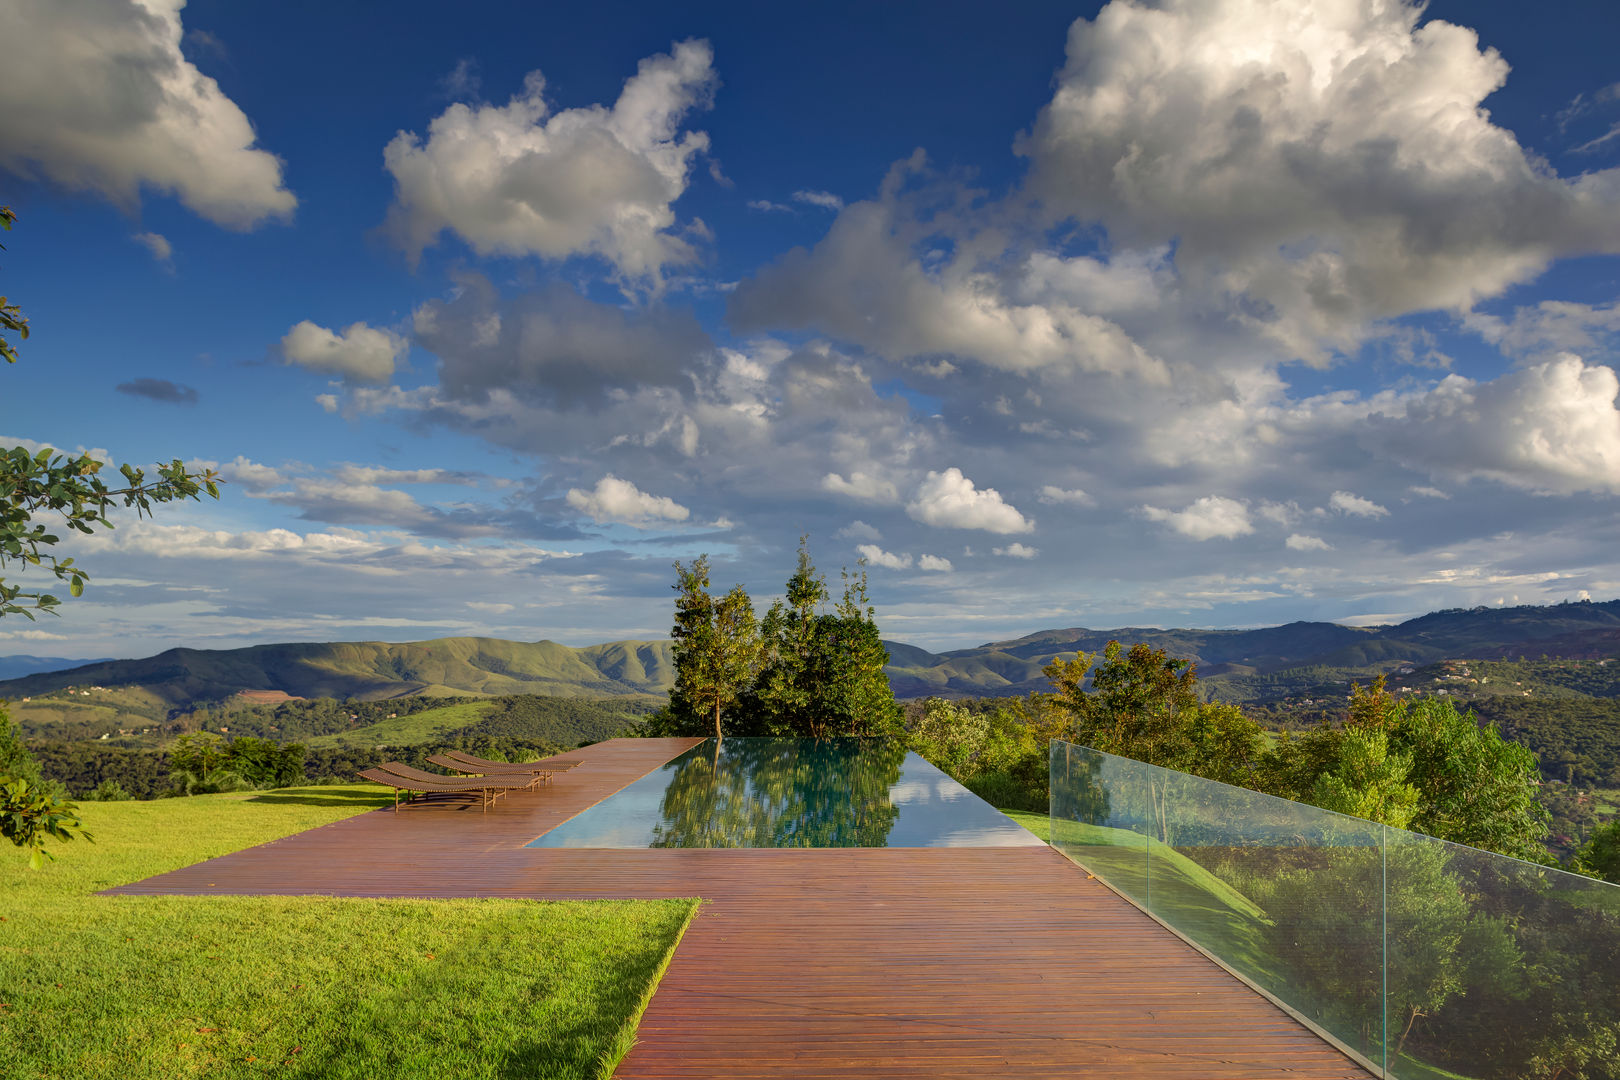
pixel 1428 959
pixel 1499 968
pixel 1099 816
pixel 1287 895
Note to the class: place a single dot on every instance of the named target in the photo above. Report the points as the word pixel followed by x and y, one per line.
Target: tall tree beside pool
pixel 804 671
pixel 716 646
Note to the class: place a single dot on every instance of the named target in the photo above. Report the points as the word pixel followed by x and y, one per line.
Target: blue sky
pixel 1211 313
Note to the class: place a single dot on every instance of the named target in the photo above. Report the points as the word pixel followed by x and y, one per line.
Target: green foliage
pixel 203 764
pixel 109 791
pixel 12 320
pixel 717 646
pixel 1600 856
pixel 756 793
pixel 15 760
pixel 71 489
pixel 1368 781
pixel 31 815
pixel 1144 705
pixel 802 671
pixel 67 488
pixel 266 764
pixel 199 765
pixel 1472 786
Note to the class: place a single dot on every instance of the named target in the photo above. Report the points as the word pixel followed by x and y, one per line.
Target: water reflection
pixel 805 793
pixel 782 793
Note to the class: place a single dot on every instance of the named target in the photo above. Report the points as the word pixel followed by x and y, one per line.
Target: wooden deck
pixel 936 962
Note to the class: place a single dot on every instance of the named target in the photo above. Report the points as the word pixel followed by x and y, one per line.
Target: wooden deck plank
pixel 936 962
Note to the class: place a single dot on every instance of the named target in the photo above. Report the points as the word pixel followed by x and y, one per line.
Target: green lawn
pixel 430 725
pixel 162 987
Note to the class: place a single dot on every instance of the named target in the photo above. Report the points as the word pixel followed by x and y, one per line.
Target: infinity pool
pixel 813 793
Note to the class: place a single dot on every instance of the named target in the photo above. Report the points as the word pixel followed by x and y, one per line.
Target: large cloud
pixel 1551 428
pixel 866 282
pixel 952 500
pixel 95 95
pixel 517 179
pixel 615 500
pixel 1324 163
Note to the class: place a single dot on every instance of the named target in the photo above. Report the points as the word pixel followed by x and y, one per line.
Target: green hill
pixel 369 670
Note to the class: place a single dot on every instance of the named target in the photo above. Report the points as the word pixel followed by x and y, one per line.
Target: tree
pixel 1144 705
pixel 802 671
pixel 793 661
pixel 1369 781
pixel 822 672
pixel 861 701
pixel 1472 786
pixel 31 814
pixel 1601 853
pixel 32 809
pixel 70 488
pixel 717 645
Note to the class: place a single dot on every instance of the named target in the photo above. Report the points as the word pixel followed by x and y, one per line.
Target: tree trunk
pixel 717 734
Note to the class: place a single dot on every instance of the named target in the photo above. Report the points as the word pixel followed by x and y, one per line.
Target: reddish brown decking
pixel 936 962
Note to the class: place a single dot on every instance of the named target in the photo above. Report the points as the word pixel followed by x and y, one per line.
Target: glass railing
pixel 1422 959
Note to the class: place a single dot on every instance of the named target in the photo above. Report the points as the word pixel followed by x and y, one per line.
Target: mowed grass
pixel 164 987
pixel 426 726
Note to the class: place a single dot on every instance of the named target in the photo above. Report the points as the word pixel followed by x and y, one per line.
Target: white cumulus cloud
pixel 1548 428
pixel 1017 551
pixel 858 530
pixel 888 559
pixel 950 499
pixel 518 179
pixel 97 96
pixel 1301 542
pixel 1328 163
pixel 1348 503
pixel 937 563
pixel 860 485
pixel 359 353
pixel 615 500
pixel 1213 517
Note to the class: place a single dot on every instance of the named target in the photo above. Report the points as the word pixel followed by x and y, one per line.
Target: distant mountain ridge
pixel 15 667
pixel 375 669
pixel 1234 664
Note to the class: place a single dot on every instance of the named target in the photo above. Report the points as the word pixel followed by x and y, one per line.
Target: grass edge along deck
pixel 936 962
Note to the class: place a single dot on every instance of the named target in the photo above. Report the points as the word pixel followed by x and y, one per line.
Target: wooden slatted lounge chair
pixel 505 782
pixel 488 767
pixel 451 786
pixel 534 777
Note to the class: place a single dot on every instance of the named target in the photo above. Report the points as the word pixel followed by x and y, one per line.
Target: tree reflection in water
pixel 782 793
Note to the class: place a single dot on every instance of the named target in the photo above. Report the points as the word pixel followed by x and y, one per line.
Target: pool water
pixel 812 793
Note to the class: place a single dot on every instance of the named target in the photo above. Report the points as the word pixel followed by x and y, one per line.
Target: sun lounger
pixel 487 767
pixel 533 776
pixel 505 782
pixel 447 787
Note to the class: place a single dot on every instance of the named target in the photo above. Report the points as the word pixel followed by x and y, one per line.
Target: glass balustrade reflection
pixel 1421 958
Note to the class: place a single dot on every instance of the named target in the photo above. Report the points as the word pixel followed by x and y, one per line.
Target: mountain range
pixel 1239 665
